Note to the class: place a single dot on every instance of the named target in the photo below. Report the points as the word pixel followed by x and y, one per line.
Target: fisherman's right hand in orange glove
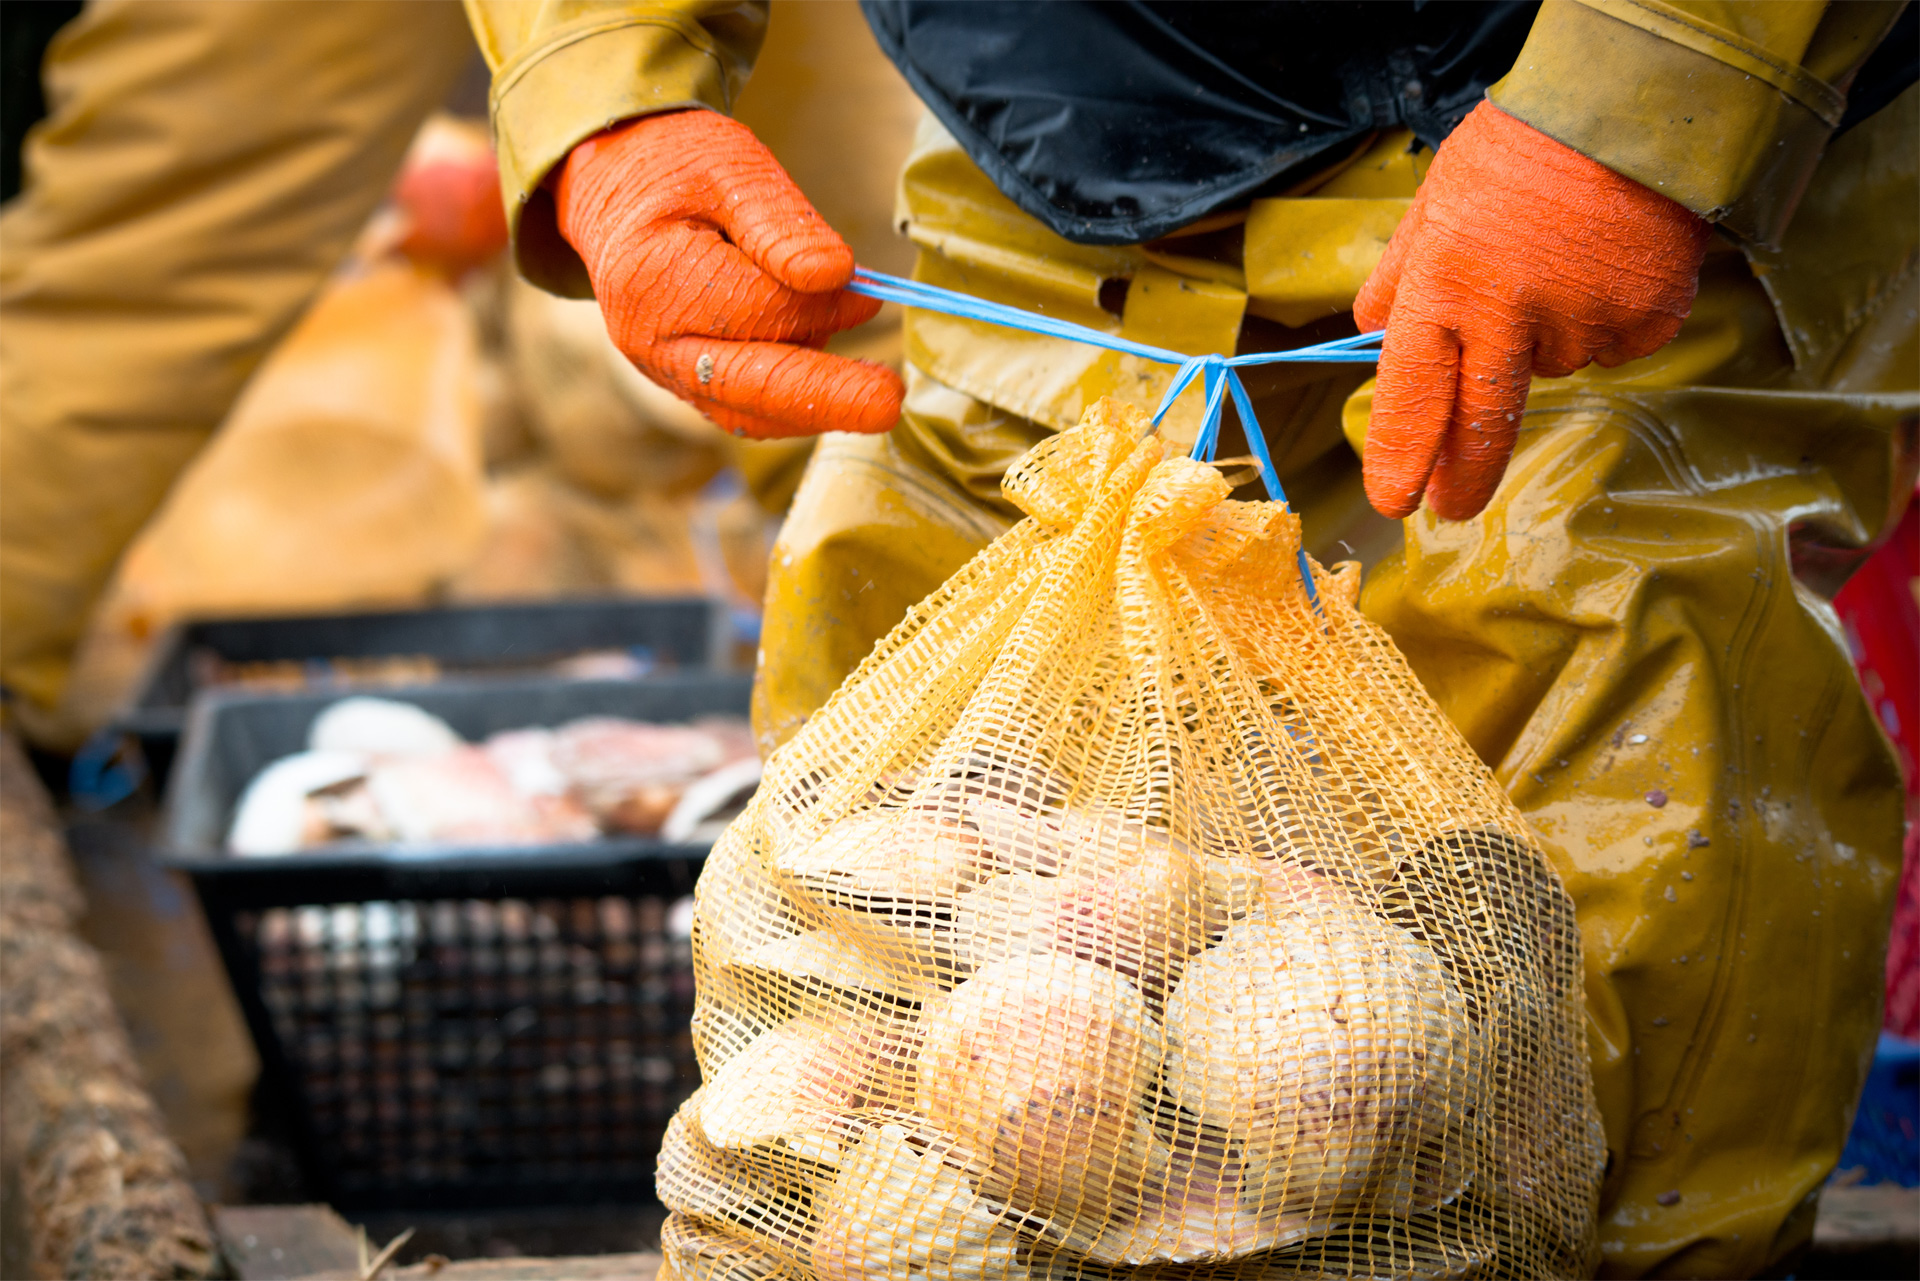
pixel 1519 256
pixel 718 279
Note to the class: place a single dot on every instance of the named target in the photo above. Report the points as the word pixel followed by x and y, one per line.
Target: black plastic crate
pixel 454 1027
pixel 468 641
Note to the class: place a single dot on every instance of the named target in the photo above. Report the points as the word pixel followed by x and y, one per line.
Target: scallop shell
pixel 1334 1049
pixel 791 1081
pixel 1037 1064
pixel 904 1214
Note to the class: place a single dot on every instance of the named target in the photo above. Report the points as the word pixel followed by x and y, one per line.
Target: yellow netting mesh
pixel 1122 915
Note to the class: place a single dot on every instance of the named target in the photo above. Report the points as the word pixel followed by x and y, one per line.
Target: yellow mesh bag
pixel 1129 914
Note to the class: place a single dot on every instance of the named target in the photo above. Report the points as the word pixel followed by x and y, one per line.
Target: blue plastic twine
pixel 1220 376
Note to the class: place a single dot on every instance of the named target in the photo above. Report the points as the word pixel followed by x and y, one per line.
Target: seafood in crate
pixel 378 771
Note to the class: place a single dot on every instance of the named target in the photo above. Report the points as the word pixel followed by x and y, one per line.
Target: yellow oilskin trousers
pixel 203 166
pixel 1635 635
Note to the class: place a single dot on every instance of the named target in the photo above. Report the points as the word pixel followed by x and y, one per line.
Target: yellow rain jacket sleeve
pixel 1723 105
pixel 565 69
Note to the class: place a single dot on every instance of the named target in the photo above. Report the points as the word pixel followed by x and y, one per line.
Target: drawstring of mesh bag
pixel 1219 375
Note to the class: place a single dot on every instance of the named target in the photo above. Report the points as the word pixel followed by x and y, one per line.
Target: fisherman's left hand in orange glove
pixel 1519 256
pixel 718 279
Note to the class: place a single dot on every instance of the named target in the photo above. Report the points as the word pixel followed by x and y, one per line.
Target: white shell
pixel 381 727
pixel 707 796
pixel 1037 1064
pixel 1131 898
pixel 824 958
pixel 272 812
pixel 1333 1047
pixel 906 1215
pixel 790 1082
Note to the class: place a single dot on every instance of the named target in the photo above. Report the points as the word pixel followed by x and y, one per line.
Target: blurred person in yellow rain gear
pixel 204 167
pixel 1628 619
pixel 201 171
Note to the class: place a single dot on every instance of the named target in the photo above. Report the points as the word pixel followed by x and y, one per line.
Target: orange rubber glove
pixel 718 279
pixel 1518 256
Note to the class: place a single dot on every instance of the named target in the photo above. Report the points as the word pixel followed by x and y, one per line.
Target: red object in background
pixel 455 220
pixel 1903 949
pixel 1880 608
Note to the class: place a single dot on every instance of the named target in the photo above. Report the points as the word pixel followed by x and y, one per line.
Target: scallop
pixel 695 1250
pixel 1136 902
pixel 272 816
pixel 898 1212
pixel 1037 1063
pixel 803 967
pixel 889 881
pixel 789 1082
pixel 881 857
pixel 1191 1210
pixel 1015 810
pixel 695 1178
pixel 1335 1050
pixel 1284 881
pixel 381 727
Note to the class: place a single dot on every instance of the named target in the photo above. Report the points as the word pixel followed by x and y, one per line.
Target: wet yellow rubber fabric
pixel 1722 105
pixel 1636 636
pixel 563 70
pixel 1655 565
pixel 202 168
pixel 879 522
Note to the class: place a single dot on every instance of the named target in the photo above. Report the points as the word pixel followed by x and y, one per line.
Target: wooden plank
pixel 598 1267
pixel 274 1242
pixel 103 1191
pixel 1872 1215
pixel 1869 1231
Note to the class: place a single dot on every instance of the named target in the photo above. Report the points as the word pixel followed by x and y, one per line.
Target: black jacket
pixel 1118 122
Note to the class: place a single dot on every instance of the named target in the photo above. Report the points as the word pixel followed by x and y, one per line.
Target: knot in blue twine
pixel 1219 375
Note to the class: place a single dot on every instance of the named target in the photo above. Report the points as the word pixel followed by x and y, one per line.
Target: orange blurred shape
pixel 448 193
